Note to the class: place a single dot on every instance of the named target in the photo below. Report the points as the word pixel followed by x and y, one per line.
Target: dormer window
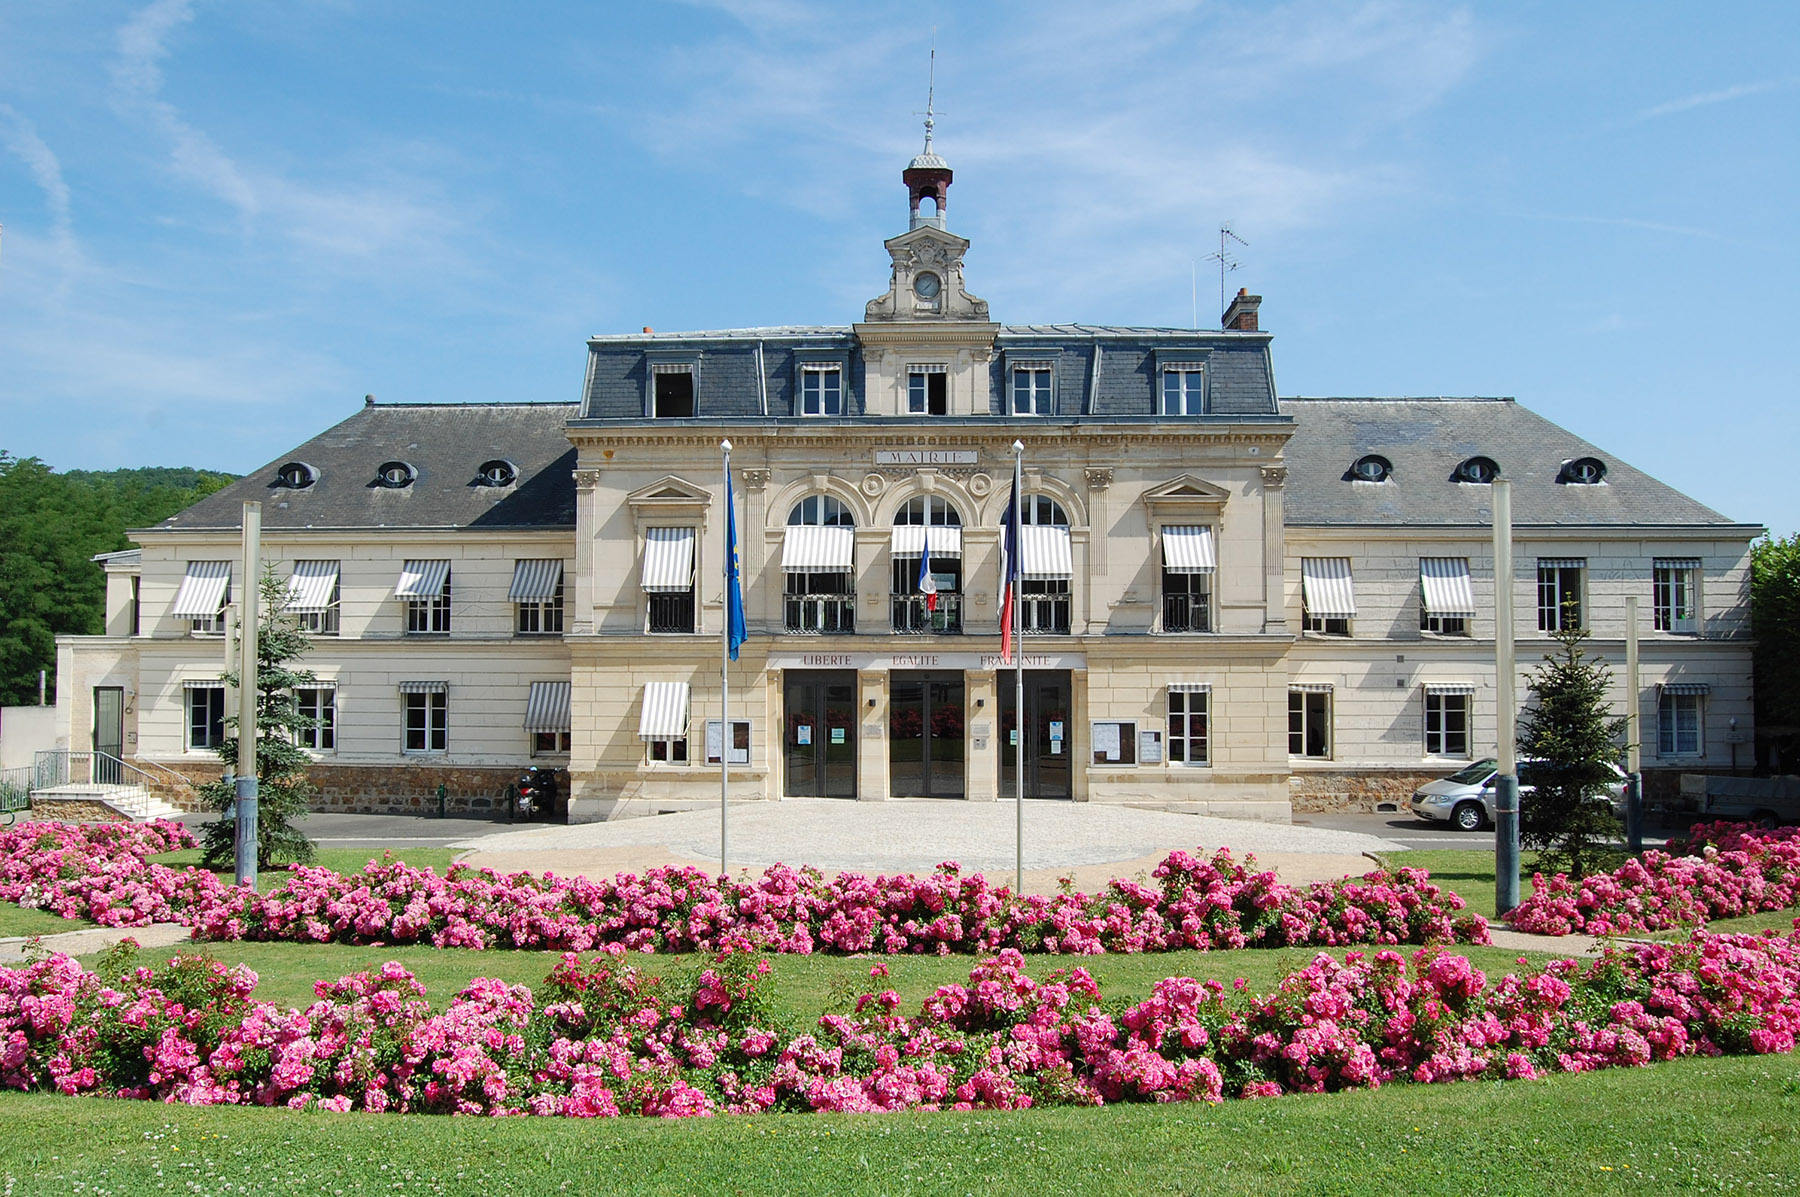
pixel 821 389
pixel 1476 469
pixel 296 475
pixel 928 389
pixel 1184 389
pixel 1583 471
pixel 1031 389
pixel 1371 468
pixel 395 475
pixel 671 390
pixel 496 473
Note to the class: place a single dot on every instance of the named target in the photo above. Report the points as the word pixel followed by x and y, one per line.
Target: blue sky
pixel 224 223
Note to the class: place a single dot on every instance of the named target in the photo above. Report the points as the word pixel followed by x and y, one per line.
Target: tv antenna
pixel 1226 262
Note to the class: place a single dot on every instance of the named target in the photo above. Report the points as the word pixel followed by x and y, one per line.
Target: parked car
pixel 1465 799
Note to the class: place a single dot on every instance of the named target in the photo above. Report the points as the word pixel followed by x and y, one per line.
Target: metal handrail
pixel 63 766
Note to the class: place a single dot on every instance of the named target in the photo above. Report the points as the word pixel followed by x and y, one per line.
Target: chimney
pixel 648 329
pixel 1241 315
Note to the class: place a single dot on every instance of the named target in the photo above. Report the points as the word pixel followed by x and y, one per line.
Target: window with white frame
pixel 1190 714
pixel 1188 564
pixel 818 567
pixel 425 588
pixel 205 716
pixel 1446 597
pixel 553 743
pixel 926 575
pixel 928 389
pixel 821 389
pixel 1674 594
pixel 1046 567
pixel 1309 721
pixel 1447 720
pixel 313 596
pixel 663 723
pixel 547 718
pixel 1559 593
pixel 1327 595
pixel 668 579
pixel 671 390
pixel 1680 721
pixel 537 595
pixel 317 707
pixel 1184 389
pixel 1031 389
pixel 205 590
pixel 427 717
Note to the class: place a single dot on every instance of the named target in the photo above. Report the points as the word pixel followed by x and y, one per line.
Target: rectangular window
pixel 1678 724
pixel 1559 593
pixel 1327 595
pixel 669 751
pixel 740 742
pixel 429 614
pixel 319 705
pixel 1674 595
pixel 668 579
pixel 552 743
pixel 1446 723
pixel 821 390
pixel 136 604
pixel 1184 390
pixel 1187 602
pixel 1446 597
pixel 1031 390
pixel 312 596
pixel 1189 715
pixel 1309 723
pixel 205 591
pixel 671 391
pixel 206 716
pixel 1114 741
pixel 427 722
pixel 928 390
pixel 542 617
pixel 321 623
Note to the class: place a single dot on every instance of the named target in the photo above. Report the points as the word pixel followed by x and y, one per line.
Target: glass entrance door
pixel 109 734
pixel 819 734
pixel 925 735
pixel 1049 734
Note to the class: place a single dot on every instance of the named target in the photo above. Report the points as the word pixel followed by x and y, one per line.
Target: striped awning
pixel 668 560
pixel 424 687
pixel 1685 687
pixel 1190 687
pixel 422 579
pixel 1446 585
pixel 547 707
pixel 1312 687
pixel 665 712
pixel 1326 588
pixel 1044 553
pixel 909 540
pixel 1678 563
pixel 311 586
pixel 672 368
pixel 810 549
pixel 1561 562
pixel 1188 549
pixel 535 581
pixel 202 683
pixel 203 590
pixel 1449 687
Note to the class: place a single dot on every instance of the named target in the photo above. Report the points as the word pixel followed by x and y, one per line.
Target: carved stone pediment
pixel 920 252
pixel 1186 493
pixel 669 496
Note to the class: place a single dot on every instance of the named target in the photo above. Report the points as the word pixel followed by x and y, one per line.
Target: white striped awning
pixel 1449 687
pixel 202 683
pixel 1678 563
pixel 1685 687
pixel 311 587
pixel 422 579
pixel 424 687
pixel 928 368
pixel 1044 553
pixel 202 590
pixel 547 708
pixel 1446 584
pixel 535 581
pixel 1190 687
pixel 909 540
pixel 665 712
pixel 1561 562
pixel 811 549
pixel 1326 588
pixel 668 560
pixel 1312 687
pixel 1188 549
pixel 672 368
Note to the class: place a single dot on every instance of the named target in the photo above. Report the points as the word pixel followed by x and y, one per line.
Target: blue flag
pixel 734 589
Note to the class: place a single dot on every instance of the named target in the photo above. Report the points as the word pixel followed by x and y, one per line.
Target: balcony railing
pixel 912 618
pixel 672 612
pixel 819 614
pixel 1044 616
pixel 1186 613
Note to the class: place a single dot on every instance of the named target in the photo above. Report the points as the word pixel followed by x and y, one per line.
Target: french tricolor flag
pixel 927 583
pixel 1009 573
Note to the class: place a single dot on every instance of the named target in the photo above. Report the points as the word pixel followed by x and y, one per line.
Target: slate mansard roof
pixel 445 444
pixel 1240 383
pixel 1424 440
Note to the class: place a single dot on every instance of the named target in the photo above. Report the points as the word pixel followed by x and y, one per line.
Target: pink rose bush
pixel 601 1039
pixel 1735 869
pixel 1216 902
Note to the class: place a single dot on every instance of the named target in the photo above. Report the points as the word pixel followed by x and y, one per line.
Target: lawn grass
pixel 1467 873
pixel 1714 1124
pixel 17 920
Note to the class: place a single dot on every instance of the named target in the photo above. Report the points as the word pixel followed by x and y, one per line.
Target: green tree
pixel 1775 621
pixel 283 792
pixel 1568 735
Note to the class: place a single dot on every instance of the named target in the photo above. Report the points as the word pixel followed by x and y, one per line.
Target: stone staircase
pixel 136 803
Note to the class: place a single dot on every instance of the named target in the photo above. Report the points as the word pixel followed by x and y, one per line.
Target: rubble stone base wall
pixel 377 789
pixel 1357 791
pixel 72 810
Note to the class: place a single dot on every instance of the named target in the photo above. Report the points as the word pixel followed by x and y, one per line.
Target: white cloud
pixel 21 138
pixel 1721 96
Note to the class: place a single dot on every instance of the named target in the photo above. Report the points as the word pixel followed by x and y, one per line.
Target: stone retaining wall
pixel 378 789
pixel 1356 791
pixel 71 810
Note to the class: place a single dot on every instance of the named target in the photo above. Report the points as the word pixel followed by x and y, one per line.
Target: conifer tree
pixel 283 791
pixel 1570 741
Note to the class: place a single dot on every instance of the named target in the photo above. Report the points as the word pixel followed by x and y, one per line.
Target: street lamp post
pixel 1506 783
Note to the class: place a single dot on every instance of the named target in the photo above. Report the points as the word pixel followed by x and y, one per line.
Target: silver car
pixel 1465 799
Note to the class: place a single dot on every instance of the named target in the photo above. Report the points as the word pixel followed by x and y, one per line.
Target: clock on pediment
pixel 927 281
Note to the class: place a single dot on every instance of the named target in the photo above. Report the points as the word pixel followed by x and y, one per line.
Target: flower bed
pixel 603 1039
pixel 1740 870
pixel 1217 902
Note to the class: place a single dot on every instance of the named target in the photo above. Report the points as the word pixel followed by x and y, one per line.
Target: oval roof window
pixel 296 474
pixel 1583 471
pixel 395 474
pixel 1371 468
pixel 497 473
pixel 1477 469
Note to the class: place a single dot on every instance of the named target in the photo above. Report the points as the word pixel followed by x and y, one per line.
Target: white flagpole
pixel 1017 567
pixel 725 683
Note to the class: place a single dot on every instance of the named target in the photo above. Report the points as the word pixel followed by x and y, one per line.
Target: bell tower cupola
pixel 928 177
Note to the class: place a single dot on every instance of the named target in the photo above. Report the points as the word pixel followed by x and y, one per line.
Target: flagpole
pixel 725 675
pixel 1014 567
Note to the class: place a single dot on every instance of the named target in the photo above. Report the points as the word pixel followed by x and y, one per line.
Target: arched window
pixel 926 554
pixel 1046 566
pixel 818 565
pixel 1043 511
